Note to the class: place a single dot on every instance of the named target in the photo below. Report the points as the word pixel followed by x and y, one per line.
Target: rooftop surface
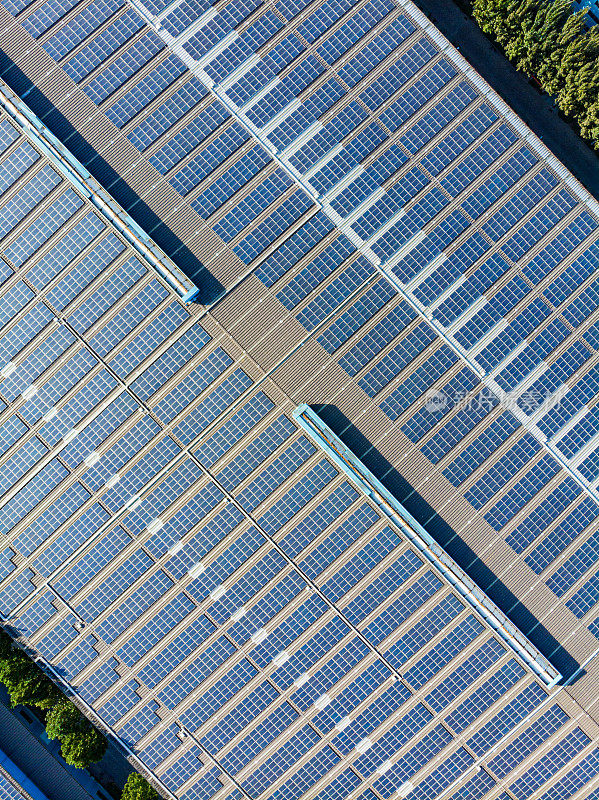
pixel 393 274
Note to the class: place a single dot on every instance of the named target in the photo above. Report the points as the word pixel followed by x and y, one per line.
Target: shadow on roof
pixel 210 288
pixel 450 540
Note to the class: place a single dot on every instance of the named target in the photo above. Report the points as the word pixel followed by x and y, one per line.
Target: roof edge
pixel 468 590
pixel 74 171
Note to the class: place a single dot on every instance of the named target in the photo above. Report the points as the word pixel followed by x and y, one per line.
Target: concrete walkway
pixel 537 110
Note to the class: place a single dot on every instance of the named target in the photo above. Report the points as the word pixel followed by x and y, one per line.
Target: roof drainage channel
pixel 74 171
pixel 345 459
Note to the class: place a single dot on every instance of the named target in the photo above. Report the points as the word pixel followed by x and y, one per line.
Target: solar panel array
pixel 203 575
pixel 9 791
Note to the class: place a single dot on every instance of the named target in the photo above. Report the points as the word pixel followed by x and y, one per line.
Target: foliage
pixel 83 747
pixel 6 649
pixel 547 39
pixel 64 718
pixel 26 683
pixel 137 788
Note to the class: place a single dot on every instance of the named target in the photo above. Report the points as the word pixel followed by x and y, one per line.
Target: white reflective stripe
pixel 446 293
pixel 343 724
pixel 426 271
pixel 196 25
pixel 348 179
pixel 374 237
pixel 364 206
pixel 196 570
pixel 259 636
pixel 384 767
pixel 237 615
pixel 370 254
pixel 323 161
pixel 70 435
pixel 587 448
pixel 142 10
pixel 170 7
pixel 155 525
pixel 113 481
pixel 467 315
pixel 503 396
pixel 259 95
pixel 514 353
pixel 301 140
pixel 580 414
pixel 50 414
pixel 322 702
pixel 91 458
pixel 405 789
pixel 214 52
pixel 364 745
pixel 192 29
pixel 488 337
pixel 238 73
pixel 403 251
pixel 176 548
pixel 303 679
pixel 217 592
pixel 337 220
pixel 8 369
pixel 280 117
pixel 30 391
pixel 281 658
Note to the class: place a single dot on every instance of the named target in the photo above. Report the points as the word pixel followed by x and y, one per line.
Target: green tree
pixel 580 91
pixel 546 38
pixel 64 718
pixel 519 30
pixel 83 747
pixel 490 13
pixel 589 124
pixel 512 25
pixel 26 683
pixel 573 55
pixel 6 648
pixel 562 36
pixel 137 788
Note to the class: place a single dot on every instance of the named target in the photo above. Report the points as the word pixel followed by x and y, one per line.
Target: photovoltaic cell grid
pixel 263 576
pixel 480 238
pixel 393 161
pixel 171 581
pixel 325 643
pixel 8 791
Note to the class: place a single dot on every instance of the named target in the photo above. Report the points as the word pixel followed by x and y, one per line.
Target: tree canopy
pixel 137 788
pixel 26 683
pixel 83 747
pixel 64 718
pixel 548 40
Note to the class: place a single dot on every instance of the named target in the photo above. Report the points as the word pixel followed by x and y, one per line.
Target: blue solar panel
pixel 232 582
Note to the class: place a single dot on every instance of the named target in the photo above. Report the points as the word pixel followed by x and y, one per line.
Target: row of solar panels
pixel 566 421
